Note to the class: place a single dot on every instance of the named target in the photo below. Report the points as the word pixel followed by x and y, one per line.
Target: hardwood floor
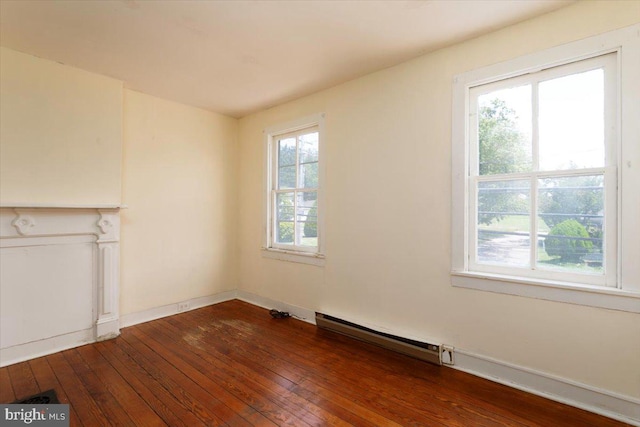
pixel 231 364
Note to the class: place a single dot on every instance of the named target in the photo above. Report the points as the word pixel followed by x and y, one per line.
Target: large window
pixel 293 202
pixel 543 184
pixel 543 165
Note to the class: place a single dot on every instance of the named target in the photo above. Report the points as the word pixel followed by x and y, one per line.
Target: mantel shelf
pixel 10 205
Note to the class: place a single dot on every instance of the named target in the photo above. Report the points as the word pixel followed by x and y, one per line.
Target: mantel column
pixel 108 322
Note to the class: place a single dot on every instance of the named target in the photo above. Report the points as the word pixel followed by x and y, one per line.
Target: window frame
pixel 270 247
pixel 625 295
pixel 275 178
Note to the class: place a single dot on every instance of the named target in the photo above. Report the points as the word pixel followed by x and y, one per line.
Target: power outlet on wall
pixel 183 306
pixel 446 357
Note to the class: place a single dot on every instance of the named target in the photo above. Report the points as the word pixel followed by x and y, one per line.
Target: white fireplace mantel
pixel 59 283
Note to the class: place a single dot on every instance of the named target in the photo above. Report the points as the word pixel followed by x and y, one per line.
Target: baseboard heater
pixel 417 349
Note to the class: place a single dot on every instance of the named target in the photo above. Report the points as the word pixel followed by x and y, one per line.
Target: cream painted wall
pixel 388 142
pixel 61 133
pixel 62 143
pixel 178 231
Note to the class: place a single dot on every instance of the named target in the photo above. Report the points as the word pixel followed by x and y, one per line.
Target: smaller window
pixel 293 202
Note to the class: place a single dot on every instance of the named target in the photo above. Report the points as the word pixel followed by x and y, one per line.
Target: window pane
pixel 286 152
pixel 308 148
pixel 504 223
pixel 307 218
pixel 284 232
pixel 571 218
pixel 284 206
pixel 572 121
pixel 286 163
pixel 504 131
pixel 286 177
pixel 284 218
pixel 308 175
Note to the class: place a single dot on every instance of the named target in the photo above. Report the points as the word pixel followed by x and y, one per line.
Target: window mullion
pixel 535 125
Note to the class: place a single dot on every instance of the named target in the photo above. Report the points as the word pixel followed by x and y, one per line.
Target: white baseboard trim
pixel 592 399
pixel 171 309
pixel 31 350
pixel 300 313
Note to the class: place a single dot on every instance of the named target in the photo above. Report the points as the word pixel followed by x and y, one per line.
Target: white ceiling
pixel 238 57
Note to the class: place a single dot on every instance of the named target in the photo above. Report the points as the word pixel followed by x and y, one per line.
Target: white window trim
pixel 626 296
pixel 315 257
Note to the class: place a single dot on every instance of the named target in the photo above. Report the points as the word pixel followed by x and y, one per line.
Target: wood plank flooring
pixel 231 364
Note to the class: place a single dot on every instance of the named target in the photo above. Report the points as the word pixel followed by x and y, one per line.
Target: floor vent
pixel 45 398
pixel 413 348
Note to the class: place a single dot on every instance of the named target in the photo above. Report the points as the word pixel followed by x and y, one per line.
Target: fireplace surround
pixel 59 278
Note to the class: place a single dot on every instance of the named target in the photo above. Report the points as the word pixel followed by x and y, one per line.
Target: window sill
pixel 611 298
pixel 291 256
